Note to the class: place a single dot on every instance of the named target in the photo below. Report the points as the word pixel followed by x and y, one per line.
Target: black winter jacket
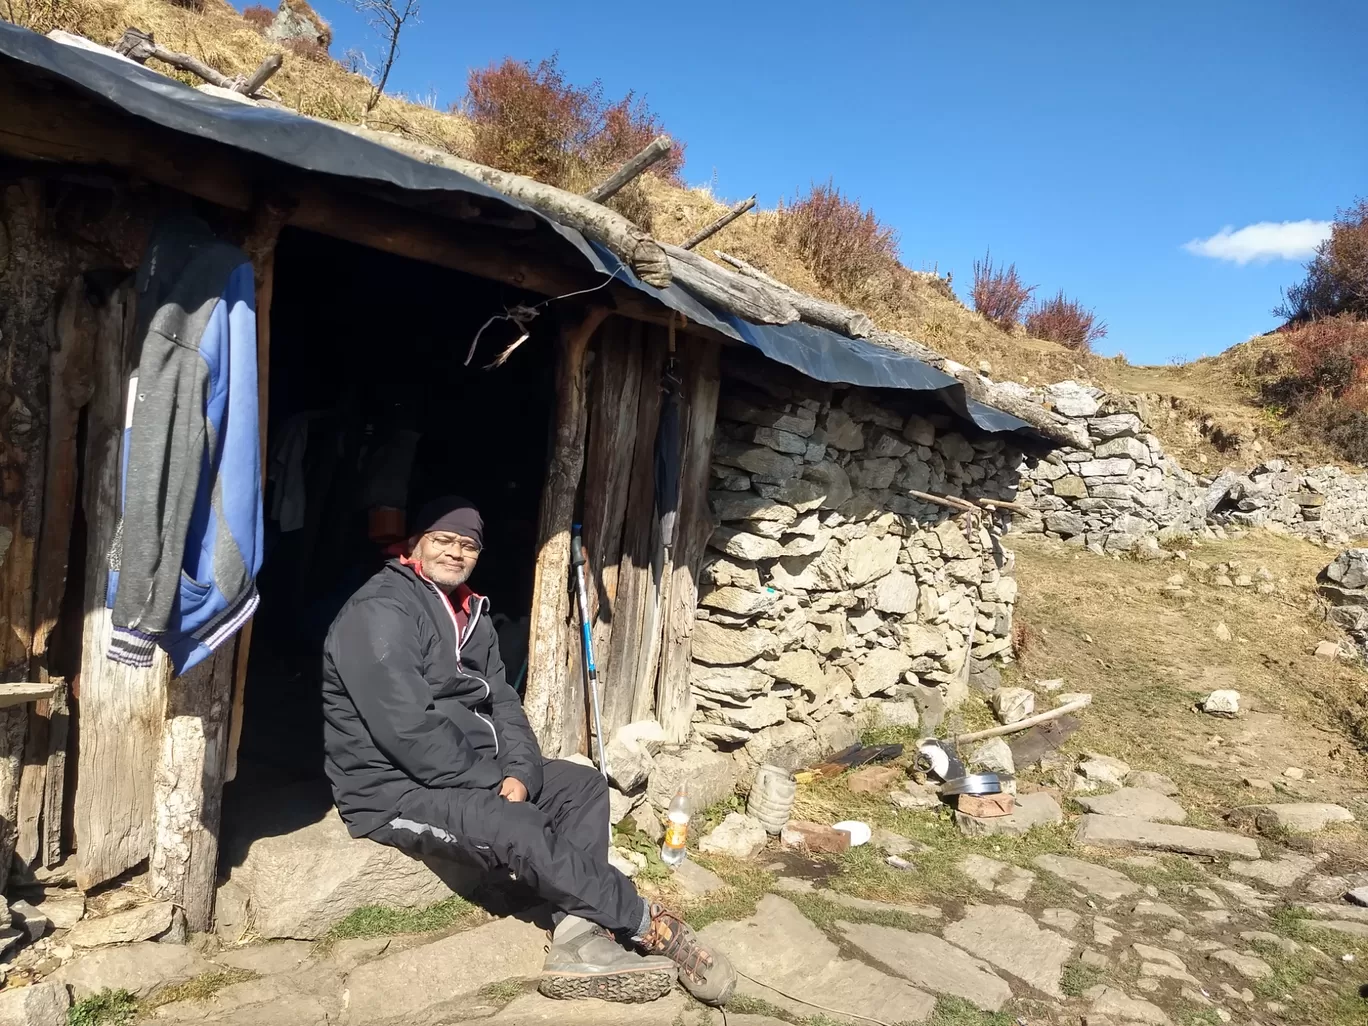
pixel 409 704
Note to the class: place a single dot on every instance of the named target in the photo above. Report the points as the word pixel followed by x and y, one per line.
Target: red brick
pixel 987 806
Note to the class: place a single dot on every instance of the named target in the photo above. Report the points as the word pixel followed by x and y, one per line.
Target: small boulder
pixel 135 924
pixel 993 756
pixel 1032 810
pixel 137 968
pixel 27 918
pixel 1327 650
pixel 1222 703
pixel 1095 769
pixel 694 880
pixel 40 1004
pixel 1012 705
pixel 737 836
pixel 1222 632
pixel 1137 803
pixel 1299 817
pixel 1152 781
pixel 629 763
pixel 874 779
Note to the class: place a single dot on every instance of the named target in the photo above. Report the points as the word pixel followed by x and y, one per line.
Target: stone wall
pixel 829 592
pixel 1126 494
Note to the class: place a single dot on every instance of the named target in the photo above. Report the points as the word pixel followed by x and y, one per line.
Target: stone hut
pixel 832 550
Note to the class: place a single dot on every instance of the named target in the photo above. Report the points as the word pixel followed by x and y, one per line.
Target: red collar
pixel 463 594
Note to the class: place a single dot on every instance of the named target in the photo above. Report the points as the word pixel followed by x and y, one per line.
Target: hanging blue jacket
pixel 185 558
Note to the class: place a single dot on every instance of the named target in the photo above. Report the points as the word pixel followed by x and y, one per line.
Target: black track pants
pixel 557 845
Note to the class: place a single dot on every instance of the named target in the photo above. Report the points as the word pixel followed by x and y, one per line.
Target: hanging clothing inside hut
pixel 182 571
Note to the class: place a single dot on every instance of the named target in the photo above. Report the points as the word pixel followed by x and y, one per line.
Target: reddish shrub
pixel 1337 277
pixel 528 119
pixel 260 18
pixel 1331 355
pixel 842 243
pixel 999 293
pixel 1065 321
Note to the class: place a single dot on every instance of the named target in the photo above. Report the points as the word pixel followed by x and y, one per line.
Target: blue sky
pixel 1087 142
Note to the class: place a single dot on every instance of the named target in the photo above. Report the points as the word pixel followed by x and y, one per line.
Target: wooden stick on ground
pixel 264 71
pixel 722 222
pixel 1027 723
pixel 654 152
pixel 949 501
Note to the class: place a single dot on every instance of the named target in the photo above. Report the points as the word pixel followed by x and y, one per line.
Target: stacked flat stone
pixel 830 592
pixel 1344 585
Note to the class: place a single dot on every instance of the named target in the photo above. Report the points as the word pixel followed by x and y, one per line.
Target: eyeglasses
pixel 454 543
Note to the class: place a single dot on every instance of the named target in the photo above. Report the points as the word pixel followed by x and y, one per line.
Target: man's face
pixel 447 558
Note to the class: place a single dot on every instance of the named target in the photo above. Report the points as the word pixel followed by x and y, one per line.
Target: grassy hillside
pixel 1210 412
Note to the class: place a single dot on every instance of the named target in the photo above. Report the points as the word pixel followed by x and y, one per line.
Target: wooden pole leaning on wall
pixel 548 643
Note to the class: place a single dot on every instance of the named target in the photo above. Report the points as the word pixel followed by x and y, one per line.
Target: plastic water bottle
pixel 676 828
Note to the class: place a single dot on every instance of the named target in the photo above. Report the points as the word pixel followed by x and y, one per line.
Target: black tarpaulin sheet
pixel 314 146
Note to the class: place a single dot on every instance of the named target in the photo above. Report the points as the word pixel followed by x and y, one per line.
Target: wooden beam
pixel 634 583
pixel 188 789
pixel 701 383
pixel 710 230
pixel 729 290
pixel 653 152
pixel 831 316
pixel 616 390
pixel 139 46
pixel 263 233
pixel 69 387
pixel 548 642
pixel 120 708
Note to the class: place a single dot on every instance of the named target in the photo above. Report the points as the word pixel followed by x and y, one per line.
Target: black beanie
pixel 450 513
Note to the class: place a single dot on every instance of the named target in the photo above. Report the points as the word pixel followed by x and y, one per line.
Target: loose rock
pixel 1247 964
pixel 694 880
pixel 737 836
pixel 137 968
pixel 1121 832
pixel 1302 817
pixel 1112 1002
pixel 136 924
pixel 1103 769
pixel 1138 803
pixel 1281 872
pixel 1222 703
pixel 40 1004
pixel 1012 705
pixel 1105 883
pixel 1152 781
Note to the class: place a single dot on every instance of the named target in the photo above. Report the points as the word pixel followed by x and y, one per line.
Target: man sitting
pixel 428 750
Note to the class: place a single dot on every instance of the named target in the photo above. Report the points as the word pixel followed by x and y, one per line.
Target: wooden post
pixel 654 151
pixel 188 789
pixel 635 585
pixel 616 389
pixel 121 708
pixel 722 222
pixel 260 246
pixel 549 635
pixel 702 379
pixel 69 388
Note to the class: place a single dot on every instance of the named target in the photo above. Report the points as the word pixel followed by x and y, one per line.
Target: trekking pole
pixel 586 632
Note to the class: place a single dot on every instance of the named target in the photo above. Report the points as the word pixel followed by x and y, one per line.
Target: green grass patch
pixel 1295 973
pixel 953 1011
pixel 891 734
pixel 1078 977
pixel 1168 871
pixel 202 987
pixel 826 914
pixel 107 1008
pixel 746 885
pixel 502 992
pixel 627 837
pixel 1202 1017
pixel 381 921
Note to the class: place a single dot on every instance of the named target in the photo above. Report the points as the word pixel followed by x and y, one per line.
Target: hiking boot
pixel 587 961
pixel 705 972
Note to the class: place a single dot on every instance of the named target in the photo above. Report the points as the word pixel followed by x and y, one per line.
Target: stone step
pixel 930 963
pixel 1096 880
pixel 1013 942
pixel 1122 832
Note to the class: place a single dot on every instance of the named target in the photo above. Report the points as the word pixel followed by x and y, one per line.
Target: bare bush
pixel 1066 321
pixel 387 19
pixel 307 49
pixel 530 120
pixel 842 243
pixel 999 293
pixel 259 17
pixel 1336 279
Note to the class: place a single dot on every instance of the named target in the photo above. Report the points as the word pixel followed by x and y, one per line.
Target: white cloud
pixel 1267 240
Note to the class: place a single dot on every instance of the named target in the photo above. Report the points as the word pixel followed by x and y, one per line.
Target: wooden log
pixel 629 243
pixel 653 152
pixel 54 782
pixel 948 501
pixel 1027 723
pixel 549 635
pixel 733 292
pixel 616 391
pixel 722 222
pixel 69 386
pixel 636 583
pixel 141 47
pixel 831 316
pixel 120 708
pixel 188 789
pixel 702 382
pixel 262 75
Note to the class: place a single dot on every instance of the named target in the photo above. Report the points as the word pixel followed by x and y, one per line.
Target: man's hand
pixel 513 790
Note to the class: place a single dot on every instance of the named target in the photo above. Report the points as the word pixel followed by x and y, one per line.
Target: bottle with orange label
pixel 676 828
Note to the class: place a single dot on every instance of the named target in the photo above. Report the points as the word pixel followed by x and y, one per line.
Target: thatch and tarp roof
pixel 391 176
